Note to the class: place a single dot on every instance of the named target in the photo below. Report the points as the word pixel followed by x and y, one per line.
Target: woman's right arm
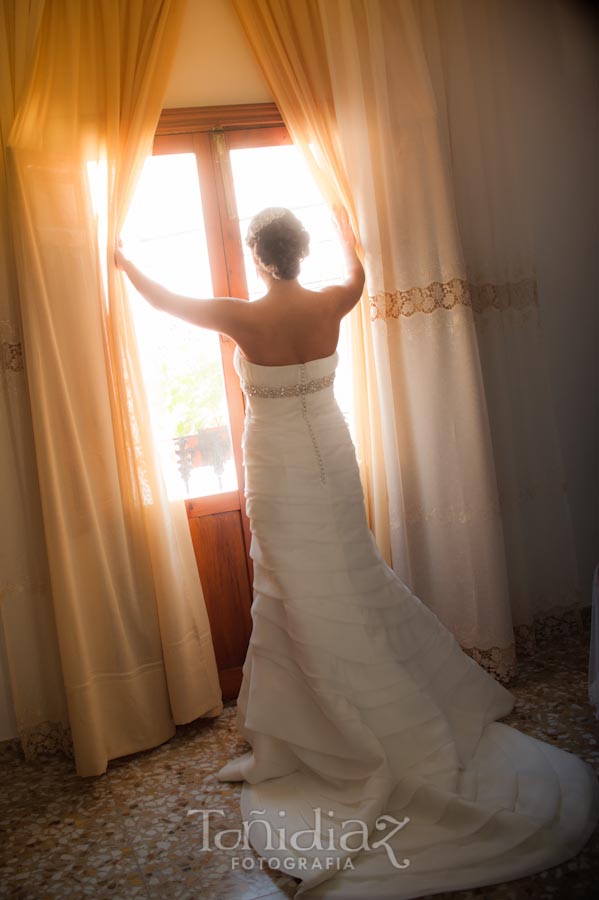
pixel 224 314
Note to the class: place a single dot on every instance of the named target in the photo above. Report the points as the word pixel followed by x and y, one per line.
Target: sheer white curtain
pixel 479 57
pixel 407 111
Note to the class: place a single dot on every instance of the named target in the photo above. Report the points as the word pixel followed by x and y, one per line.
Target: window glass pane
pixel 181 363
pixel 278 176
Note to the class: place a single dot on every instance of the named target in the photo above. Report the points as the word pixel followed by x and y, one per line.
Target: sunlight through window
pixel 182 363
pixel 165 235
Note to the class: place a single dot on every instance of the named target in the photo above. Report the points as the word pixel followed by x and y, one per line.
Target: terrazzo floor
pixel 127 834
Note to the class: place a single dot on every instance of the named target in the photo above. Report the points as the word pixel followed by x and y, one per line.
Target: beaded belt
pixel 291 390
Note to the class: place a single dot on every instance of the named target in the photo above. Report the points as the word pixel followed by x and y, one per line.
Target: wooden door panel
pixel 219 547
pixel 219 524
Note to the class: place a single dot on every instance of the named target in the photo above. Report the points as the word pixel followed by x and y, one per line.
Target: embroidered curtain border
pixel 455 292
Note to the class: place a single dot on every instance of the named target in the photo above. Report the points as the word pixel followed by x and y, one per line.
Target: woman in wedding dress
pixel 378 767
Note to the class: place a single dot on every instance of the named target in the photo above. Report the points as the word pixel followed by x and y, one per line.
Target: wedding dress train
pixel 359 704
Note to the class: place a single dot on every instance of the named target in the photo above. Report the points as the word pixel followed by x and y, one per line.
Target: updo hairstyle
pixel 279 241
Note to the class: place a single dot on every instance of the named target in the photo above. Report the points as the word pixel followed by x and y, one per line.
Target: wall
pixel 214 64
pixel 560 89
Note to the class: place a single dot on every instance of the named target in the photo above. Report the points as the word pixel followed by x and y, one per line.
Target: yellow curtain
pixel 34 704
pixel 133 633
pixel 407 112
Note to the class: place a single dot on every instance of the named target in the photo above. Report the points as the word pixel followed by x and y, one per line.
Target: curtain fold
pixel 413 124
pixel 28 640
pixel 132 628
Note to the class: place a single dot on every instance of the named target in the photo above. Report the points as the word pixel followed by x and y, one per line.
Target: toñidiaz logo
pixel 308 839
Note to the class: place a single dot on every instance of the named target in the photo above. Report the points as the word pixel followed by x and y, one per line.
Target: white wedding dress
pixel 358 703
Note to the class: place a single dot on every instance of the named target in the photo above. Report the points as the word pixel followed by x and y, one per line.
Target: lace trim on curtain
pixel 11 348
pixel 44 738
pixel 47 738
pixel 37 741
pixel 456 291
pixel 392 305
pixel 11 357
pixel 502 662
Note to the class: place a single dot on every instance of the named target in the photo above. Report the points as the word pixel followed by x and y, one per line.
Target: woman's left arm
pixel 224 314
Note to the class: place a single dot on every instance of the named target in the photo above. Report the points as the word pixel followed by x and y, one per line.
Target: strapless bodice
pixel 279 382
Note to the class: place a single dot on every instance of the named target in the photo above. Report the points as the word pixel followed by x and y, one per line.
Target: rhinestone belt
pixel 291 390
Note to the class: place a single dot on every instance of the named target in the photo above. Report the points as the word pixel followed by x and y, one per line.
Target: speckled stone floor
pixel 127 834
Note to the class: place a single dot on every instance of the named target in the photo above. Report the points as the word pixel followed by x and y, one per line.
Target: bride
pixel 377 765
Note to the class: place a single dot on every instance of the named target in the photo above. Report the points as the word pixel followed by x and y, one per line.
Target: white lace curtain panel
pixel 474 464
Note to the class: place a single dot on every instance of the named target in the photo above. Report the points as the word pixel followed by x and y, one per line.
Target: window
pixel 181 363
pixel 187 225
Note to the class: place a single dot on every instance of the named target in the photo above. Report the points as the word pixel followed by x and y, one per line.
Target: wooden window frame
pixel 209 133
pixel 191 120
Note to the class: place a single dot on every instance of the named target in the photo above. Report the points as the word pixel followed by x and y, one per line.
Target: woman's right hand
pixel 120 260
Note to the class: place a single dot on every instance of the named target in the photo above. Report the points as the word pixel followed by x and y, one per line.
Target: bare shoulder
pixel 242 317
pixel 342 297
pixel 240 309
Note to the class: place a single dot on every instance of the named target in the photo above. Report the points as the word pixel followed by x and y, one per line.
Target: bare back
pixel 289 325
